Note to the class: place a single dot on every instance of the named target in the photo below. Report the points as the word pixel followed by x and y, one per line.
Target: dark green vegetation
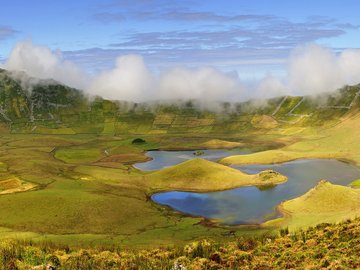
pixel 138 141
pixel 325 246
pixel 198 153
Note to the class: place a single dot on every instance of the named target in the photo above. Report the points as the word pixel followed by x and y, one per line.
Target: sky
pixel 251 40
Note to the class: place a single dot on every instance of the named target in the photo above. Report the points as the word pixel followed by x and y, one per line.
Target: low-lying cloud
pixel 311 70
pixel 201 83
pixel 40 62
pixel 131 79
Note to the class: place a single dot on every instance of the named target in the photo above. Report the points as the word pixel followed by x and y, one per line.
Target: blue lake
pixel 251 205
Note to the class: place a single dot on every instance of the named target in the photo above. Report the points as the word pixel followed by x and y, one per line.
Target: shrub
pixel 138 141
pixel 284 231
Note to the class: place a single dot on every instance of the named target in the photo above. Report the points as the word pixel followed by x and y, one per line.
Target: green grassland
pixel 89 199
pixel 96 199
pixel 66 171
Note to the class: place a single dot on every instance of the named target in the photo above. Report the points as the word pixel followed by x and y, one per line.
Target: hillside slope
pixel 325 202
pixel 340 141
pixel 29 105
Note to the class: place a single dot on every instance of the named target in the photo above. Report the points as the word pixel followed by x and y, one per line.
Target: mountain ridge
pixel 47 106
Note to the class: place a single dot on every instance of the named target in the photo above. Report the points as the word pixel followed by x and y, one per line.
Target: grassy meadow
pixel 85 191
pixel 67 180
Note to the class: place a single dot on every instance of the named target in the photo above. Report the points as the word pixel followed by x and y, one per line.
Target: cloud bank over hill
pixel 314 69
pixel 40 62
pixel 311 69
pixel 131 79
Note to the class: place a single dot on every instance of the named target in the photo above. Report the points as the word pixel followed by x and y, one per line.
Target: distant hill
pixel 30 105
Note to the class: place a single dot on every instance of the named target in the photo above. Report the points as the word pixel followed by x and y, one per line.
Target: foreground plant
pixel 326 246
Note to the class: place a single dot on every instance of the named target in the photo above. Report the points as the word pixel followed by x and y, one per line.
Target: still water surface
pixel 163 159
pixel 250 205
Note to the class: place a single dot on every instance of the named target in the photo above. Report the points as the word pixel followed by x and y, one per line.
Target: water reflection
pixel 255 205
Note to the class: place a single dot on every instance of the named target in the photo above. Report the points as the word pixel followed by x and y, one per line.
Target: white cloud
pixel 132 80
pixel 206 84
pixel 129 80
pixel 313 69
pixel 270 87
pixel 349 64
pixel 41 62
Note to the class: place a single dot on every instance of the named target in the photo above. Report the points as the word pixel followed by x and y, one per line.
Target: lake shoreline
pixel 216 221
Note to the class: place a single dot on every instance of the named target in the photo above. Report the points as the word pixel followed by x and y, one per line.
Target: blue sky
pixel 250 37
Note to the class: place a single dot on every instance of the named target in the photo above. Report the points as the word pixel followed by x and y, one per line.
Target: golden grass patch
pixel 200 174
pixel 13 185
pixel 216 143
pixel 324 203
